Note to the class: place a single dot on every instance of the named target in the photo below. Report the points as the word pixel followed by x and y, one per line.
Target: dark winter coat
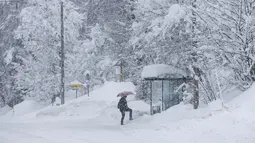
pixel 122 105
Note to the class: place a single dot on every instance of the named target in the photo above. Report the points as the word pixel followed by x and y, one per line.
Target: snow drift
pixel 5 110
pixel 100 107
pixel 24 108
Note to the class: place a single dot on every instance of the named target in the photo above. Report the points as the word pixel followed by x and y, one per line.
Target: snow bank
pixel 25 107
pixel 110 90
pixel 230 94
pixel 85 108
pixel 179 113
pixel 160 69
pixel 244 104
pixel 101 101
pixel 246 98
pixel 102 104
pixel 216 105
pixel 5 110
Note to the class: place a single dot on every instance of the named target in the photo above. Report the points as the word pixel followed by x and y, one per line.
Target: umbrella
pixel 125 93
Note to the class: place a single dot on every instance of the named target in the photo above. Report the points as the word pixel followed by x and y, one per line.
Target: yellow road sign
pixel 76 86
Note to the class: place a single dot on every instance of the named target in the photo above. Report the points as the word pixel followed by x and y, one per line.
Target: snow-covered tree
pixel 39 76
pixel 8 51
pixel 111 30
pixel 177 33
pixel 160 34
pixel 233 37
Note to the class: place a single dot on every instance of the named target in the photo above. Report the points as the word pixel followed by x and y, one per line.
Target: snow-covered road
pixel 224 128
pixel 45 132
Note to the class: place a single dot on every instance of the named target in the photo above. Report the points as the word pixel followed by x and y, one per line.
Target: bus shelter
pixel 165 86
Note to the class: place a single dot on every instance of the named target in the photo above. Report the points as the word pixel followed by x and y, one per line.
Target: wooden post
pixel 88 89
pixel 76 93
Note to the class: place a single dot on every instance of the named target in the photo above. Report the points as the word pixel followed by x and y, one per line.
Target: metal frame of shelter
pixel 165 106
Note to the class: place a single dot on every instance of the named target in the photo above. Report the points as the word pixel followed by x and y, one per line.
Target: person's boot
pixel 130 114
pixel 121 122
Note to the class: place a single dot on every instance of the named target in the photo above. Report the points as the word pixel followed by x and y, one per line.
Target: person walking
pixel 123 107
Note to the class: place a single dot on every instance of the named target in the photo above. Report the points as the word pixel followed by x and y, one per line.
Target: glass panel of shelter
pixel 165 94
pixel 170 97
pixel 157 92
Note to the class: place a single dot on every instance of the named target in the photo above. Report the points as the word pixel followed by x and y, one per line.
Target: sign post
pixel 76 85
pixel 88 79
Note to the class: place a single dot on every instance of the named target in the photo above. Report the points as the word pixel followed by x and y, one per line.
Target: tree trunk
pixel 194 55
pixel 196 95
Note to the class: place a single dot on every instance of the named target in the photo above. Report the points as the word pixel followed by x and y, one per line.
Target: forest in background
pixel 206 37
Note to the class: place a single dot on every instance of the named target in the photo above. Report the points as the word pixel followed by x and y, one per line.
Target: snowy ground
pixel 95 119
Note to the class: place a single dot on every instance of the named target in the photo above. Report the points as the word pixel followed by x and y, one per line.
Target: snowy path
pixel 219 129
pixel 67 133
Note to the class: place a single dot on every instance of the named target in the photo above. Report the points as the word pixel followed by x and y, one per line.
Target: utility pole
pixel 62 58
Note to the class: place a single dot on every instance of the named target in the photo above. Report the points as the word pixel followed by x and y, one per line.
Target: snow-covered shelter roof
pixel 158 70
